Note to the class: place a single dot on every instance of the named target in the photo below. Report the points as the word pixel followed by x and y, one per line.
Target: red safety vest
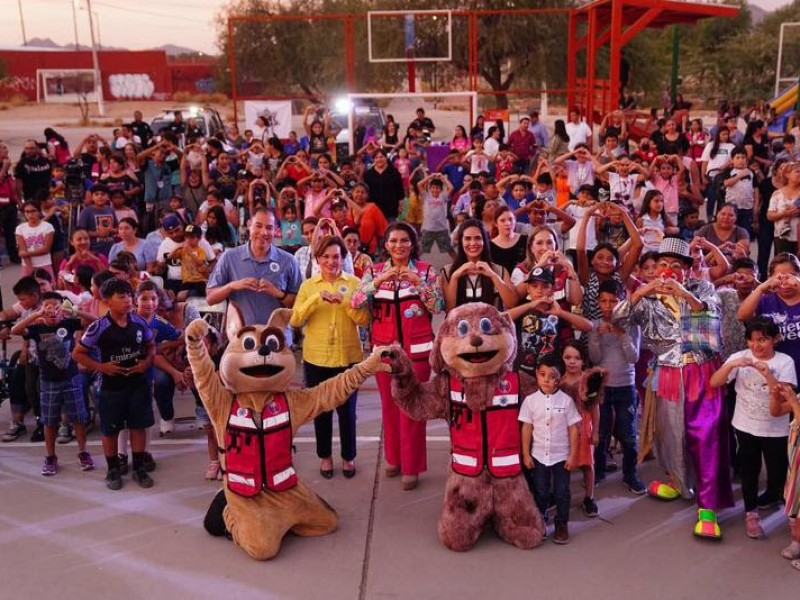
pixel 258 449
pixel 399 316
pixel 489 439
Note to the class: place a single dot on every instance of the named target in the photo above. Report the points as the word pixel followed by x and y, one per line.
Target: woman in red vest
pixel 404 296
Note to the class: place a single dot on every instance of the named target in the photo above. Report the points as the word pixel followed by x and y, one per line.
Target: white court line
pixel 368 439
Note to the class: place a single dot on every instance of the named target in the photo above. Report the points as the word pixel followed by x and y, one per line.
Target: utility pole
pixel 98 82
pixel 75 22
pixel 22 22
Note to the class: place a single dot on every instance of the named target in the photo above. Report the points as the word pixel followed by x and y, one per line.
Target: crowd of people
pixel 647 318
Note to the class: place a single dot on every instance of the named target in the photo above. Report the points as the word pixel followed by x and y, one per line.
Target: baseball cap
pixel 170 222
pixel 193 231
pixel 542 275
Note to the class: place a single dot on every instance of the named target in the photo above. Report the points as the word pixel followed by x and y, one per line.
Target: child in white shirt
pixel 550 424
pixel 757 371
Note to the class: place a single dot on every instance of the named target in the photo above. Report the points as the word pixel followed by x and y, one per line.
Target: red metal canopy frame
pixel 617 22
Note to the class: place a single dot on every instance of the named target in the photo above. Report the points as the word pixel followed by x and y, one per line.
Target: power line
pixel 151 13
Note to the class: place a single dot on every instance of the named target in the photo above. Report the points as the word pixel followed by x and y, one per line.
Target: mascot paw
pixel 399 362
pixel 380 359
pixel 196 330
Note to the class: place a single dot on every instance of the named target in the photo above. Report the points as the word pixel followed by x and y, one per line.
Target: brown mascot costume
pixel 474 390
pixel 255 417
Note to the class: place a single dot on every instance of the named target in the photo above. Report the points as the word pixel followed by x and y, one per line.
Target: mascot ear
pixel 233 321
pixel 280 319
pixel 508 322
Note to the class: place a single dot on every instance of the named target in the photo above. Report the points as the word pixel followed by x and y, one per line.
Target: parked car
pixel 207 119
pixel 364 112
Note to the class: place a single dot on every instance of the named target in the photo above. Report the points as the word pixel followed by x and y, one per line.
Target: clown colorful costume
pixel 687 422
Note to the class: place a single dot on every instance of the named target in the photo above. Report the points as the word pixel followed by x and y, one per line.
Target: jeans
pixel 164 392
pixel 24 389
pixel 9 217
pixel 539 481
pixel 766 236
pixel 618 416
pixel 751 449
pixel 744 218
pixel 711 199
pixel 323 424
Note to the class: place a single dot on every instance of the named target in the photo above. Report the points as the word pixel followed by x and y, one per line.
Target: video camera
pixel 75 174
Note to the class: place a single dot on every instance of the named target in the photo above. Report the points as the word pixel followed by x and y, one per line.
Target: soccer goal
pixel 62 86
pixel 369 113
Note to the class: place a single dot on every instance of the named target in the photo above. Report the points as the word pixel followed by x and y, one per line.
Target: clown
pixel 685 418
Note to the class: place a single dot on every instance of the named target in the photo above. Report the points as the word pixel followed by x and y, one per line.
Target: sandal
pixel 792 551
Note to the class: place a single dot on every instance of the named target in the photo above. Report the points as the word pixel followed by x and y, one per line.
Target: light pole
pixel 99 40
pixel 22 23
pixel 75 22
pixel 98 82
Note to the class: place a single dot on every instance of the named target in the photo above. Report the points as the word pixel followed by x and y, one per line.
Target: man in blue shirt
pixel 258 277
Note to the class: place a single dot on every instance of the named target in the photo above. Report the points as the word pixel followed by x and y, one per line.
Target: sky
pixel 134 24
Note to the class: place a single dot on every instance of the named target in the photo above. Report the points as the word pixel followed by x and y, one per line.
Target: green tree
pixel 307 57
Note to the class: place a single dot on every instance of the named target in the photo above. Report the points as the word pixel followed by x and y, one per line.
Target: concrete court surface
pixel 70 536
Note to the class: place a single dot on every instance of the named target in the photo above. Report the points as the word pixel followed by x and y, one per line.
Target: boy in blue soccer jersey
pixel 127 349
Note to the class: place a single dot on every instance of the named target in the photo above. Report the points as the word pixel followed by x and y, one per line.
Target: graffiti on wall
pixel 18 85
pixel 131 85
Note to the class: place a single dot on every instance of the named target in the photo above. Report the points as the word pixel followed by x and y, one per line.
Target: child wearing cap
pixel 542 325
pixel 196 263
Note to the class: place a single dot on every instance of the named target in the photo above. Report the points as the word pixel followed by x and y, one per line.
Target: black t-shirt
pixel 677 146
pixel 89 161
pixel 177 128
pixel 122 183
pixel 317 144
pixel 424 123
pixel 142 130
pixel 35 176
pixel 54 344
pixel 226 182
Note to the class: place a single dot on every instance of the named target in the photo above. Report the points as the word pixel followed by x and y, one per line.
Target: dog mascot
pixel 474 390
pixel 255 417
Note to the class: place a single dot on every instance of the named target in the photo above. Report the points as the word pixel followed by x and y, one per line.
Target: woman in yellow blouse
pixel 331 344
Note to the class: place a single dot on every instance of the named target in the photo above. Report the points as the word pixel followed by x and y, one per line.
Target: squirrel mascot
pixel 474 390
pixel 255 417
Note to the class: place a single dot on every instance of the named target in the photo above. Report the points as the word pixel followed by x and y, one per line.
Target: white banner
pixel 277 116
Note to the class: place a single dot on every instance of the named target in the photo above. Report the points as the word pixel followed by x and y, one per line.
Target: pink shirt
pixel 668 189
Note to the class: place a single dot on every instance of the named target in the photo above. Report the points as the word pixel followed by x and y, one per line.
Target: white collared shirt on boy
pixel 551 416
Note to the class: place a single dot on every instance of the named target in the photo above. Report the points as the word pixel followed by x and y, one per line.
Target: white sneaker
pixel 166 427
pixel 65 435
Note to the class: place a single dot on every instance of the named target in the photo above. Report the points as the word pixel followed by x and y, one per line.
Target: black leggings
pixel 751 450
